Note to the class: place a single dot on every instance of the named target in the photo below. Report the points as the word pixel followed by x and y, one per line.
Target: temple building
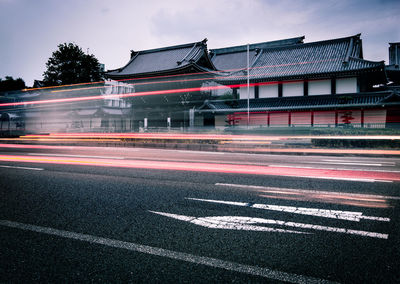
pixel 283 83
pixel 166 82
pixel 296 84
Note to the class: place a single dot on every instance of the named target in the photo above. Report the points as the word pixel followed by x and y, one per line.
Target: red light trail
pixel 210 167
pixel 178 75
pixel 138 94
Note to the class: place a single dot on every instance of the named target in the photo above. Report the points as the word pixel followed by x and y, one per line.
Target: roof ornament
pixel 349 52
pixel 133 53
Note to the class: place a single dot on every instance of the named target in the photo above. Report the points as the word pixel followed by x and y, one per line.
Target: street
pixel 93 214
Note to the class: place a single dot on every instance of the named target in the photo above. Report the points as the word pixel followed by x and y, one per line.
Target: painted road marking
pixel 334 214
pixel 208 261
pixel 278 189
pixel 231 223
pixel 22 168
pixel 76 156
pixel 245 223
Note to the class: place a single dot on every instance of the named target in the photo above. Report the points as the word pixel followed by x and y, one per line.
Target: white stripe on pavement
pixel 334 214
pixel 208 261
pixel 240 222
pixel 22 168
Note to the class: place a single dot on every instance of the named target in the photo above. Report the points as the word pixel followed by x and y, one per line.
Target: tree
pixel 70 65
pixel 11 84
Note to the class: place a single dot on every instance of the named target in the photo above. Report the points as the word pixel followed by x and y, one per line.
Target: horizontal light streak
pixel 346 198
pixel 325 168
pixel 76 156
pixel 103 97
pixel 209 167
pixel 254 138
pixel 185 75
pixel 154 136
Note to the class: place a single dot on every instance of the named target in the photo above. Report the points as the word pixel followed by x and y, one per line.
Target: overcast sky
pixel 30 30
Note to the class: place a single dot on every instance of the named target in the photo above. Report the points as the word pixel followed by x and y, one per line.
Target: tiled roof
pixel 231 58
pixel 309 102
pixel 163 60
pixel 343 55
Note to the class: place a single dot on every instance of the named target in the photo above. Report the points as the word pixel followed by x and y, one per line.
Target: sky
pixel 31 30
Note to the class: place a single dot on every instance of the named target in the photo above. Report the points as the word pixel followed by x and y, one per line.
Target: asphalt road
pixel 76 214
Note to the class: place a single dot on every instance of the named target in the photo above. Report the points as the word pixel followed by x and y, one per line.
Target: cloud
pixel 31 30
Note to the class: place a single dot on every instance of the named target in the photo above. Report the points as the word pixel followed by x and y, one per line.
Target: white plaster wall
pixel 374 118
pixel 301 118
pixel 279 119
pixel 324 119
pixel 292 89
pixel 346 85
pixel 268 91
pixel 243 92
pixel 319 87
pixel 259 119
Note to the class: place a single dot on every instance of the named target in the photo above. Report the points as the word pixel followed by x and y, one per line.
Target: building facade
pixel 290 83
pixel 283 83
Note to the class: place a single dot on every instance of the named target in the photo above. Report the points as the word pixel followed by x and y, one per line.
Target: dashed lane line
pixel 22 168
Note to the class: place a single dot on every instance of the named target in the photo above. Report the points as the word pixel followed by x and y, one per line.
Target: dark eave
pixel 357 100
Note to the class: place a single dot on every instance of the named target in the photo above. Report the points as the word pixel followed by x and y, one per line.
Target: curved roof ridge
pixel 381 62
pixel 172 47
pixel 260 45
pixel 321 42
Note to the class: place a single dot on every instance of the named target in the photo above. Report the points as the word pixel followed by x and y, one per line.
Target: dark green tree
pixel 11 84
pixel 70 65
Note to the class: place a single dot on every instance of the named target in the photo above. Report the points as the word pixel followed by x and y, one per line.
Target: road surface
pixel 82 214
